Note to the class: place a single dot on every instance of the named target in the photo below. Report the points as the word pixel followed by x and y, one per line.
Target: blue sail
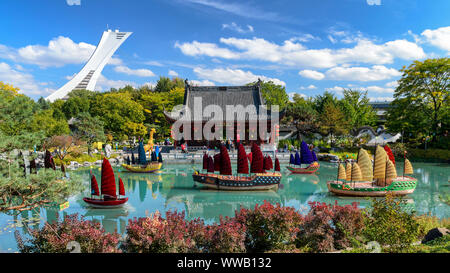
pixel 314 156
pixel 142 159
pixel 292 160
pixel 297 159
pixel 307 157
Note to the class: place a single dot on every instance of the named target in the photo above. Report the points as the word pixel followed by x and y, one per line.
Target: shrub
pixel 389 225
pixel 269 227
pixel 55 237
pixel 327 228
pixel 174 234
pixel 226 237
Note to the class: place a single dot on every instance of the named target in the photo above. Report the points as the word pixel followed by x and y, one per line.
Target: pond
pixel 172 189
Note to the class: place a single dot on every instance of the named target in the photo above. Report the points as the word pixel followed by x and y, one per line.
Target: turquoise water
pixel 172 189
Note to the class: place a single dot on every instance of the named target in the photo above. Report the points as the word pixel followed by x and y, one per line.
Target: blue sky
pixel 308 46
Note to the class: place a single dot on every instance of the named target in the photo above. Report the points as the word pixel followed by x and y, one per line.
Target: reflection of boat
pixel 260 180
pixel 108 189
pixel 143 166
pixel 359 179
pixel 307 157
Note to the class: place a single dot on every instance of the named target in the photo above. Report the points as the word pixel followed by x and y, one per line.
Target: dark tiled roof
pixel 223 96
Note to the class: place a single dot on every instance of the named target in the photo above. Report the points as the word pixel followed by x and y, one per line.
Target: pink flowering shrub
pixel 327 227
pixel 174 234
pixel 55 237
pixel 269 227
pixel 226 237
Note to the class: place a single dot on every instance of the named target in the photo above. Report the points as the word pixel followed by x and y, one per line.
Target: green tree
pixel 89 129
pixel 299 113
pixel 332 121
pixel 166 84
pixel 320 101
pixel 356 108
pixel 115 110
pixel 44 121
pixel 422 97
pixel 21 190
pixel 273 94
pixel 75 105
pixel 16 113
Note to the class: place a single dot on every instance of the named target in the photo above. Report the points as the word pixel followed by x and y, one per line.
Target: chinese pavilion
pixel 212 97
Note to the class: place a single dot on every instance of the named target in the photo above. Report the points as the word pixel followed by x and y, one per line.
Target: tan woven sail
pixel 408 167
pixel 342 173
pixel 379 169
pixel 356 173
pixel 365 164
pixel 391 172
pixel 348 171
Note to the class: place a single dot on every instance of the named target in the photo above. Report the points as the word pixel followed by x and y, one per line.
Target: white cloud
pixel 232 76
pixel 310 87
pixel 292 94
pixel 375 73
pixel 295 54
pixel 393 84
pixel 59 52
pixel 134 72
pixel 235 27
pixel 337 89
pixel 208 49
pixel 379 89
pixel 439 37
pixel 371 89
pixel 73 2
pixel 104 84
pixel 373 2
pixel 311 74
pixel 153 63
pixel 304 38
pixel 26 82
pixel 173 73
pixel 201 83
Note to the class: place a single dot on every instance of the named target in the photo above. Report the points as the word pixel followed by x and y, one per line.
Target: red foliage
pixel 390 154
pixel 55 237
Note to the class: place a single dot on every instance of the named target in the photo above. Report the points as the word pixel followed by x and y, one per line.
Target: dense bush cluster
pixel 266 228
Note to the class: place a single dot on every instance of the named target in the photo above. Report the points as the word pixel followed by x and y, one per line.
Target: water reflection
pixel 173 189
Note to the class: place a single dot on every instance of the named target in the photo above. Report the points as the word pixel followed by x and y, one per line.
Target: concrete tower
pixel 88 76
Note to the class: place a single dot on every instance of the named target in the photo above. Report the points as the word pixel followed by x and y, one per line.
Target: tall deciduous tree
pixel 357 110
pixel 89 129
pixel 422 97
pixel 332 121
pixel 299 113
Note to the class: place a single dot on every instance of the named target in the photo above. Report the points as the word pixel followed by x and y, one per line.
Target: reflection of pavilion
pixel 211 204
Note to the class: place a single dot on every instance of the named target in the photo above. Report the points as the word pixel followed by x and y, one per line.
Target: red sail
pixel 108 185
pixel 217 162
pixel 94 186
pixel 225 163
pixel 269 163
pixel 242 160
pixel 277 164
pixel 121 187
pixel 205 161
pixel 390 154
pixel 257 163
pixel 210 164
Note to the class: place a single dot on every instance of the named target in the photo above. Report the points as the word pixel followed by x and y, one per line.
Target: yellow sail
pixel 391 172
pixel 348 171
pixel 365 164
pixel 408 167
pixel 341 172
pixel 379 169
pixel 356 173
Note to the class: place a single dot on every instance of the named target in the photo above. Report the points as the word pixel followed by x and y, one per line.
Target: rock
pixel 435 233
pixel 86 164
pixel 98 162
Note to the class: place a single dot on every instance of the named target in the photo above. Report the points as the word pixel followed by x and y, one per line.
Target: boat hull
pixel 400 186
pixel 150 168
pixel 257 182
pixel 308 170
pixel 106 204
